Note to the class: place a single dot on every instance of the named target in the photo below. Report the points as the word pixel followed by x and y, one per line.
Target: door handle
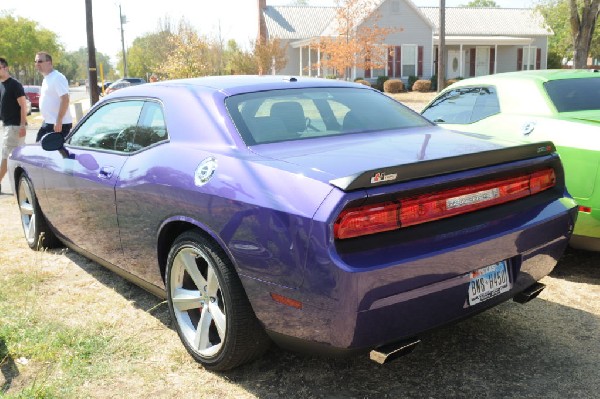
pixel 106 172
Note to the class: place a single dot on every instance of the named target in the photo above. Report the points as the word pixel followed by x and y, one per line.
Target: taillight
pixel 377 218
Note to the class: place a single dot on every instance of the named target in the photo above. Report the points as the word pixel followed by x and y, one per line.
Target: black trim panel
pixel 444 165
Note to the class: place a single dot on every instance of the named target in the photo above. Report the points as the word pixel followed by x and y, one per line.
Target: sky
pixel 236 19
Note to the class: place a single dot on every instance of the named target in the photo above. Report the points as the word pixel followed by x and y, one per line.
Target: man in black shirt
pixel 13 113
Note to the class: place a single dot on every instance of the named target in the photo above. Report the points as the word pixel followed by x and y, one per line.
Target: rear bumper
pixel 369 308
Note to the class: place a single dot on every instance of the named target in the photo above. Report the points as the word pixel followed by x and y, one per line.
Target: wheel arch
pixel 18 172
pixel 173 228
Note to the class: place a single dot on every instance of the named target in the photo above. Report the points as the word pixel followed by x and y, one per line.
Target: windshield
pixel 293 114
pixel 570 95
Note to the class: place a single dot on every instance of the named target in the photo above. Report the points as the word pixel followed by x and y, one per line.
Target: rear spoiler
pixel 401 173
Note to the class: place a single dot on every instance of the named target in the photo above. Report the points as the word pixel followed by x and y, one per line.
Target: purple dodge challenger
pixel 318 214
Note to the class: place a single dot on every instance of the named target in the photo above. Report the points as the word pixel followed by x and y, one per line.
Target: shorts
pixel 11 140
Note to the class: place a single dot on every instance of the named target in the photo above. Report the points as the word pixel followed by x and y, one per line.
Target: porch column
pixel 300 74
pixel 319 62
pixel 461 70
pixel 495 59
pixel 309 61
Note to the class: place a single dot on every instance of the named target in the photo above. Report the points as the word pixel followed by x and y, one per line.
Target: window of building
pixel 409 60
pixel 529 58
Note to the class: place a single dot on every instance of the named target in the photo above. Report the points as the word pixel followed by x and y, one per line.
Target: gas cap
pixel 527 128
pixel 205 171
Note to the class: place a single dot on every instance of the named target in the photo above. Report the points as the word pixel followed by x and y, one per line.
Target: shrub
pixel 330 77
pixel 433 81
pixel 411 81
pixel 363 82
pixel 380 81
pixel 422 85
pixel 357 79
pixel 393 86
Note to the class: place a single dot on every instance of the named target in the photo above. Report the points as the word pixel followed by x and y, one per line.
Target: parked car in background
pixel 33 94
pixel 135 81
pixel 124 82
pixel 102 87
pixel 316 213
pixel 558 105
pixel 119 84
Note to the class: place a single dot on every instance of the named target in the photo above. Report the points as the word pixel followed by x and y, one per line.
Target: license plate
pixel 488 282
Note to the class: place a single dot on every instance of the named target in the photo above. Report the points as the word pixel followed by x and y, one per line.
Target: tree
pixel 268 55
pixel 357 40
pixel 21 39
pixel 69 66
pixel 148 53
pixel 583 17
pixel 238 61
pixel 557 15
pixel 80 58
pixel 481 3
pixel 189 54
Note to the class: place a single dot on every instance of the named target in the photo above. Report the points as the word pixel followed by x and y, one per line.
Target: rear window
pixel 295 114
pixel 570 95
pixel 463 105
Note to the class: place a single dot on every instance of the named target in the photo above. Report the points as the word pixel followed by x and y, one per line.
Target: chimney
pixel 262 26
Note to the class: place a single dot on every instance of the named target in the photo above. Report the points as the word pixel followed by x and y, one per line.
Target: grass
pixel 64 355
pixel 70 328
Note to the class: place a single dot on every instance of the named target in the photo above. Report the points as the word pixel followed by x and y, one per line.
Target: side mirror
pixel 52 141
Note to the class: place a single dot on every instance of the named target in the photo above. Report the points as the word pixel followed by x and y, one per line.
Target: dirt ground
pixel 548 348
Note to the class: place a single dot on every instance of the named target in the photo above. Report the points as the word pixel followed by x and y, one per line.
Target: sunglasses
pixel 40 61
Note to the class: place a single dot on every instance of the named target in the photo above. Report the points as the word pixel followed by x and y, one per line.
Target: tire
pixel 212 314
pixel 37 232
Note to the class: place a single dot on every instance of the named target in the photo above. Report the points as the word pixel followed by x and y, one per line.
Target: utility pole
pixel 441 72
pixel 123 20
pixel 92 75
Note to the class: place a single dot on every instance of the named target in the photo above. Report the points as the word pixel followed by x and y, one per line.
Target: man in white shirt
pixel 54 98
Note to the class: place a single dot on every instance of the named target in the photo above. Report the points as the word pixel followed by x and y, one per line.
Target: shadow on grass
pixel 8 368
pixel 538 350
pixel 137 296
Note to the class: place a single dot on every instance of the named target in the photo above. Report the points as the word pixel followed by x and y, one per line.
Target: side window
pixel 109 126
pixel 151 127
pixel 486 104
pixel 455 106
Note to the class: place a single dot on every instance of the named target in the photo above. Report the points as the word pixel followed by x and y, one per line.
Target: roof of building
pixel 297 22
pixel 303 22
pixel 489 21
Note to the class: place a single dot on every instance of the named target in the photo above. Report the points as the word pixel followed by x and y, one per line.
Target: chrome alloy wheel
pixel 28 213
pixel 198 302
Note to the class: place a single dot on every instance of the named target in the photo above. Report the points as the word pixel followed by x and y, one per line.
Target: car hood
pixel 352 154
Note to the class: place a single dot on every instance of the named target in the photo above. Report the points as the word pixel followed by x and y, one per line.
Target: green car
pixel 558 105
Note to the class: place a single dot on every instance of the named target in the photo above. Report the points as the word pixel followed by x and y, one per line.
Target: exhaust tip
pixel 386 353
pixel 529 293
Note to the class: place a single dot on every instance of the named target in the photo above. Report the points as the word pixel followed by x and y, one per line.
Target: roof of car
pixel 255 82
pixel 541 75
